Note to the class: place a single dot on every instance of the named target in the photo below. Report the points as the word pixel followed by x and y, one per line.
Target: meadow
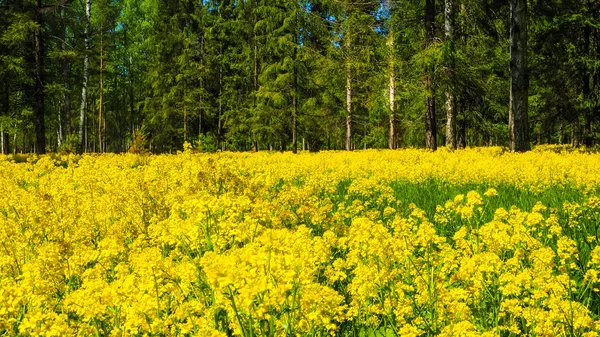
pixel 477 242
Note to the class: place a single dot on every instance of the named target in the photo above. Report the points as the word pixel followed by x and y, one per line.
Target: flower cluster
pixel 271 244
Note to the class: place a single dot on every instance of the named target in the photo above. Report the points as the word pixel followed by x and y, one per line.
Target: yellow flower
pixel 491 192
pixel 279 244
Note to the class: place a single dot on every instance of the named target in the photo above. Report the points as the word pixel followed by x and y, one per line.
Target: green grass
pixel 432 192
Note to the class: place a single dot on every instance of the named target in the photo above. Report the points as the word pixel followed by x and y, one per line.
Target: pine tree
pixel 430 117
pixel 257 74
pixel 82 143
pixel 518 112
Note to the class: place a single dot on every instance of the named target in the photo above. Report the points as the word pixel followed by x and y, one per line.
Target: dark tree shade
pixel 430 113
pixel 519 81
pixel 40 89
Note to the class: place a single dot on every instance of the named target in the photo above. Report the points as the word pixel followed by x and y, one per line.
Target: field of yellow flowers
pixel 479 242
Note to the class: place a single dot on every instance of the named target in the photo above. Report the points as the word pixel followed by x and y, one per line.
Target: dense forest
pixel 111 75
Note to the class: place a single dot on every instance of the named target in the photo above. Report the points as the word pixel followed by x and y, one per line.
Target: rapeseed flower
pixel 273 244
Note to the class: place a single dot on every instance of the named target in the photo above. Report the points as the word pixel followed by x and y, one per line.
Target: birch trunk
pixel 295 116
pixel 255 80
pixel 59 131
pixel 348 94
pixel 348 108
pixel 295 89
pixel 101 106
pixel 450 99
pixel 15 141
pixel 86 63
pixel 220 117
pixel 201 86
pixel 392 88
pixel 519 81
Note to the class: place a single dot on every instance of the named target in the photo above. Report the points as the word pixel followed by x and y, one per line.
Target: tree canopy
pixel 289 75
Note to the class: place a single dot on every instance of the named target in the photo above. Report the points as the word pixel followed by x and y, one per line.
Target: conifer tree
pixel 519 84
pixel 302 74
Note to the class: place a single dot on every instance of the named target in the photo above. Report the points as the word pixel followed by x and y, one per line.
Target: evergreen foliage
pixel 293 75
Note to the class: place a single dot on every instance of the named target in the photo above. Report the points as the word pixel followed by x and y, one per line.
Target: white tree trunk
pixel 348 96
pixel 348 108
pixel 15 140
pixel 86 65
pixel 101 103
pixel 450 98
pixel 391 142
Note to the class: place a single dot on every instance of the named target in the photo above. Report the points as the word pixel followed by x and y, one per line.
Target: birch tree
pixel 450 97
pixel 392 90
pixel 86 65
